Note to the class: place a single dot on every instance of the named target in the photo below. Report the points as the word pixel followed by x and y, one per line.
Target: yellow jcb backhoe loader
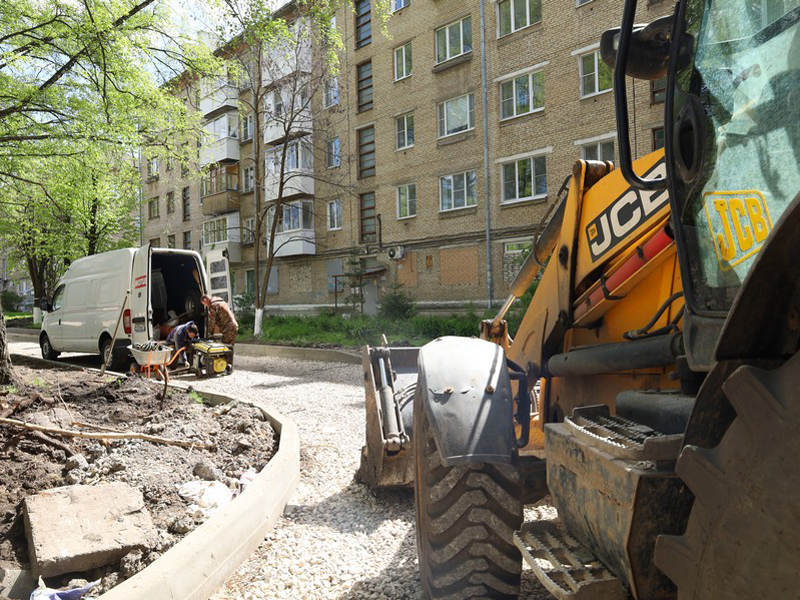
pixel 664 340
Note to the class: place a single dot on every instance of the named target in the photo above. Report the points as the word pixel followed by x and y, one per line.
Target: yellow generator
pixel 211 358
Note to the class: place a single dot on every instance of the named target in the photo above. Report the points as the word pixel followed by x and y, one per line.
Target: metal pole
pixel 485 105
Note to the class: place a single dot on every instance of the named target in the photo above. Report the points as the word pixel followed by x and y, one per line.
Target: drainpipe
pixel 485 107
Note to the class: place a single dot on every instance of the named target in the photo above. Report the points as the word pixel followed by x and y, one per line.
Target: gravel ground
pixel 336 539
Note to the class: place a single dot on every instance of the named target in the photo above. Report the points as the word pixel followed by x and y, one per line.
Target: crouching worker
pixel 182 336
pixel 220 319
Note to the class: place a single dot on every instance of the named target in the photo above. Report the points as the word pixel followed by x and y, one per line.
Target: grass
pixel 17 315
pixel 195 397
pixel 338 330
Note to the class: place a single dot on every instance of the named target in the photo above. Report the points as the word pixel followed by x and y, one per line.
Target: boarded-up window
pixel 459 266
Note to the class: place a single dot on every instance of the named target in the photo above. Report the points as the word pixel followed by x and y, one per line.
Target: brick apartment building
pixel 406 171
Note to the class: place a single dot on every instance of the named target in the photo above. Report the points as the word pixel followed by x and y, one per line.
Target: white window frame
pixel 597 61
pixel 399 4
pixel 333 153
pixel 301 207
pixel 462 51
pixel 515 161
pixel 334 217
pixel 408 187
pixel 452 177
pixel 215 231
pixel 397 131
pixel 531 77
pixel 249 230
pixel 330 96
pixel 514 28
pixel 598 146
pixel 582 2
pixel 248 179
pixel 441 111
pixel 400 62
pixel 518 252
pixel 247 127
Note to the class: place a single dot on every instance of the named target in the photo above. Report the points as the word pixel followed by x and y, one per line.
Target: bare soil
pixel 240 438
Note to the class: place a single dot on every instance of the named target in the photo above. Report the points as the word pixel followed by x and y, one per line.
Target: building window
pixel 522 95
pixel 249 231
pixel 456 115
pixel 519 248
pixel 332 154
pixel 454 40
pixel 364 84
pixel 598 151
pixel 225 126
pixel 170 202
pixel 187 204
pixel 524 179
pixel 658 138
pixel 249 179
pixel 297 216
pixel 171 241
pixel 404 126
pixel 514 254
pixel 658 90
pixel 402 62
pixel 458 190
pixel 277 103
pixel 398 4
pixel 152 208
pixel 187 240
pixel 152 167
pixel 369 218
pixel 516 14
pixel 215 231
pixel 298 157
pixel 334 215
pixel 331 92
pixel 595 74
pixel 155 242
pixel 366 152
pixel 247 127
pixel 407 201
pixel 582 2
pixel 250 281
pixel 363 23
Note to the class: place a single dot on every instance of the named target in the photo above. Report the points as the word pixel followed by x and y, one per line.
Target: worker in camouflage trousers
pixel 220 319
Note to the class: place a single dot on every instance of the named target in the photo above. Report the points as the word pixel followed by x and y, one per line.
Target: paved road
pixel 336 540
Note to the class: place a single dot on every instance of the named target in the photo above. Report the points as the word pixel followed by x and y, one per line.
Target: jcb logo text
pixel 739 223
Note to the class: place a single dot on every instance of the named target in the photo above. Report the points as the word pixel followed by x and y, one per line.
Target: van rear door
pixel 219 276
pixel 141 311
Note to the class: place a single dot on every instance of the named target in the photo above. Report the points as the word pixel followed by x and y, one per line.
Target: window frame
pixel 403 4
pixel 514 97
pixel 512 13
pixel 655 131
pixel 408 59
pixel 452 177
pixel 170 202
pixel 398 204
pixel 362 86
pixel 330 94
pixel 247 127
pixel 186 203
pixel 363 22
pixel 248 179
pixel 448 56
pixel 370 170
pixel 534 174
pixel 337 214
pixel 371 236
pixel 597 62
pixel 333 159
pixel 153 209
pixel 441 115
pixel 654 91
pixel 214 232
pixel 405 119
pixel 187 236
pixel 599 146
pixel 248 227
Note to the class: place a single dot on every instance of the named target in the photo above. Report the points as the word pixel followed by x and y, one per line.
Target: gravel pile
pixel 336 539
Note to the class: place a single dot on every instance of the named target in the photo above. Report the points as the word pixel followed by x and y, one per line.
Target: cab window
pixel 58 297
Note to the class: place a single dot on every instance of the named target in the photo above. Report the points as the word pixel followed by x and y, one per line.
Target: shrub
pixel 397 304
pixel 10 301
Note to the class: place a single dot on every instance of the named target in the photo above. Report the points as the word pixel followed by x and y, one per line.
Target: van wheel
pixel 107 354
pixel 47 348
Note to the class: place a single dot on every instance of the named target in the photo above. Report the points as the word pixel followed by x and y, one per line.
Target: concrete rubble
pixel 77 528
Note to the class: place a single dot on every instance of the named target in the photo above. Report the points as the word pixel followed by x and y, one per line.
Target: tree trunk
pixel 258 322
pixel 6 370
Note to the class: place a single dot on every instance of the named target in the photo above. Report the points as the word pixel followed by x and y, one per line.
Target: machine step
pixel 622 438
pixel 566 568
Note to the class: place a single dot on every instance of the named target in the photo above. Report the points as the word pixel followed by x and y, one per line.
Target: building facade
pixel 432 155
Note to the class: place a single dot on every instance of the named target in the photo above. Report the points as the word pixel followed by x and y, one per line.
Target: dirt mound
pixel 225 442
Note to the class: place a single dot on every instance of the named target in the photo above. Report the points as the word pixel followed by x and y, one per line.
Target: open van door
pixel 219 276
pixel 141 311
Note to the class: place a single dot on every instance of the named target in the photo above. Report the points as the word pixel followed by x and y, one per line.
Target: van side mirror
pixel 648 54
pixel 45 305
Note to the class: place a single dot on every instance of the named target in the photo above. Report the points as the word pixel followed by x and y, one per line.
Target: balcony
pixel 222 98
pixel 223 233
pixel 299 175
pixel 300 242
pixel 299 182
pixel 220 191
pixel 220 150
pixel 275 128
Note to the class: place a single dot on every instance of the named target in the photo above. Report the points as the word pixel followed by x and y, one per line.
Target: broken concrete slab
pixel 79 527
pixel 15 583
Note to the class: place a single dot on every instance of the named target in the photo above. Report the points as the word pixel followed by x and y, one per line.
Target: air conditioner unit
pixel 397 252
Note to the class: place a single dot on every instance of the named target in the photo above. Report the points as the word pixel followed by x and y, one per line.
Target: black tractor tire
pixel 742 538
pixel 466 516
pixel 47 348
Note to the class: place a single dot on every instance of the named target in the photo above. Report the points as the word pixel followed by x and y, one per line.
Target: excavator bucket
pixel 390 380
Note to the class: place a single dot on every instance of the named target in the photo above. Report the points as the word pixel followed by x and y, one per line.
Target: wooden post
pixel 114 337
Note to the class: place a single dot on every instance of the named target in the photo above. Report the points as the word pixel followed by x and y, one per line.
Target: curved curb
pixel 196 567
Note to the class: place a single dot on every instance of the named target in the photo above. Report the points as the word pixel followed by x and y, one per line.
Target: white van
pixel 163 287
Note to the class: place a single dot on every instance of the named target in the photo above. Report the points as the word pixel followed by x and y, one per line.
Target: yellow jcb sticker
pixel 739 223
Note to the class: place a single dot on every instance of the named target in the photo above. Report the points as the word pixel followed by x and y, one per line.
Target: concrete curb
pixel 250 350
pixel 201 562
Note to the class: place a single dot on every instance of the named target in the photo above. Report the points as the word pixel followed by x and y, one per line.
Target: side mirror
pixel 45 305
pixel 648 54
